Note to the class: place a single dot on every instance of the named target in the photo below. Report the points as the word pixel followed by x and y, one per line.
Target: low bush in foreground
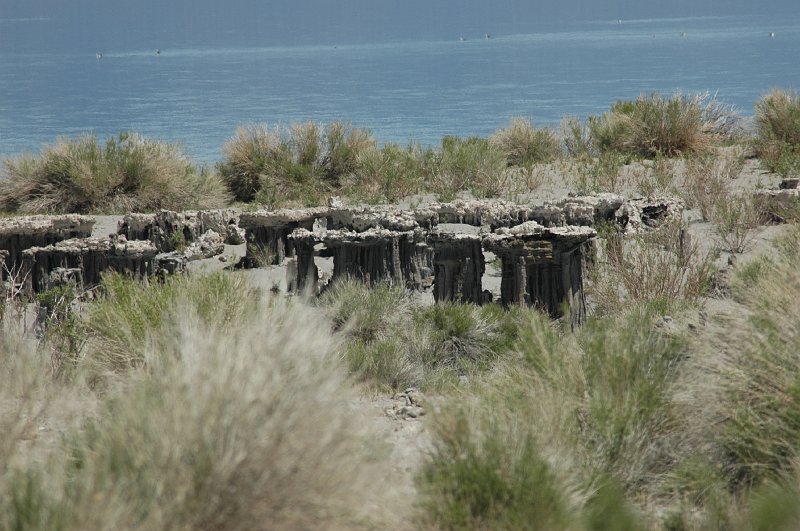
pixel 396 343
pixel 230 427
pixel 128 173
pixel 654 125
pixel 558 436
pixel 123 324
pixel 756 363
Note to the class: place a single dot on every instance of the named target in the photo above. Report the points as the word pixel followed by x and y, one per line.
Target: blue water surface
pixel 402 91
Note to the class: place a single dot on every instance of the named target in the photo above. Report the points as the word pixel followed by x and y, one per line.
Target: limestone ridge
pixel 543 248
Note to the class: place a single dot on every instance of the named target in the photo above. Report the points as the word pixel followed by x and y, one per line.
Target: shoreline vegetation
pixel 202 401
pixel 306 163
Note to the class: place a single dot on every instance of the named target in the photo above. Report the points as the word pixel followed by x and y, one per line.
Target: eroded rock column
pixel 458 267
pixel 167 229
pixel 24 232
pixel 267 231
pixel 371 256
pixel 92 256
pixel 302 274
pixel 543 267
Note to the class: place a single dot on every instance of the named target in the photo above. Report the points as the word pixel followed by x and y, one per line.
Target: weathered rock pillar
pixel 458 267
pixel 166 228
pixel 371 256
pixel 3 269
pixel 543 267
pixel 375 255
pixel 420 261
pixel 303 274
pixel 93 256
pixel 267 231
pixel 24 232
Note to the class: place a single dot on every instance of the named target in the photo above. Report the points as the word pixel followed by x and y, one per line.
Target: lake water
pixel 401 91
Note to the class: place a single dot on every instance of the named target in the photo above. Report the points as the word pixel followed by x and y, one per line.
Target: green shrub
pixel 759 396
pixel 775 506
pixel 129 317
pixel 778 117
pixel 344 144
pixel 524 145
pixel 301 163
pixel 479 476
pixel 630 421
pixel 559 436
pixel 390 173
pixel 463 335
pixel 128 173
pixel 778 132
pixel 276 164
pixel 612 384
pixel 654 125
pixel 395 343
pixel 472 164
pixel 366 314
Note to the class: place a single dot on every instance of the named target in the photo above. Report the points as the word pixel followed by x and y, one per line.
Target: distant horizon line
pixel 461 38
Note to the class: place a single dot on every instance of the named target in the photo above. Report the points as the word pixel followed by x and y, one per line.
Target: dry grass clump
pixel 736 218
pixel 707 180
pixel 245 427
pixel 390 173
pixel 301 163
pixel 656 179
pixel 396 343
pixel 604 173
pixel 707 187
pixel 576 136
pixel 778 117
pixel 778 131
pixel 655 125
pixel 755 363
pixel 472 164
pixel 524 145
pixel 128 173
pixel 253 154
pixel 664 264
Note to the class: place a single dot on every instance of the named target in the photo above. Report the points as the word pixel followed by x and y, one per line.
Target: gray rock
pixel 208 245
